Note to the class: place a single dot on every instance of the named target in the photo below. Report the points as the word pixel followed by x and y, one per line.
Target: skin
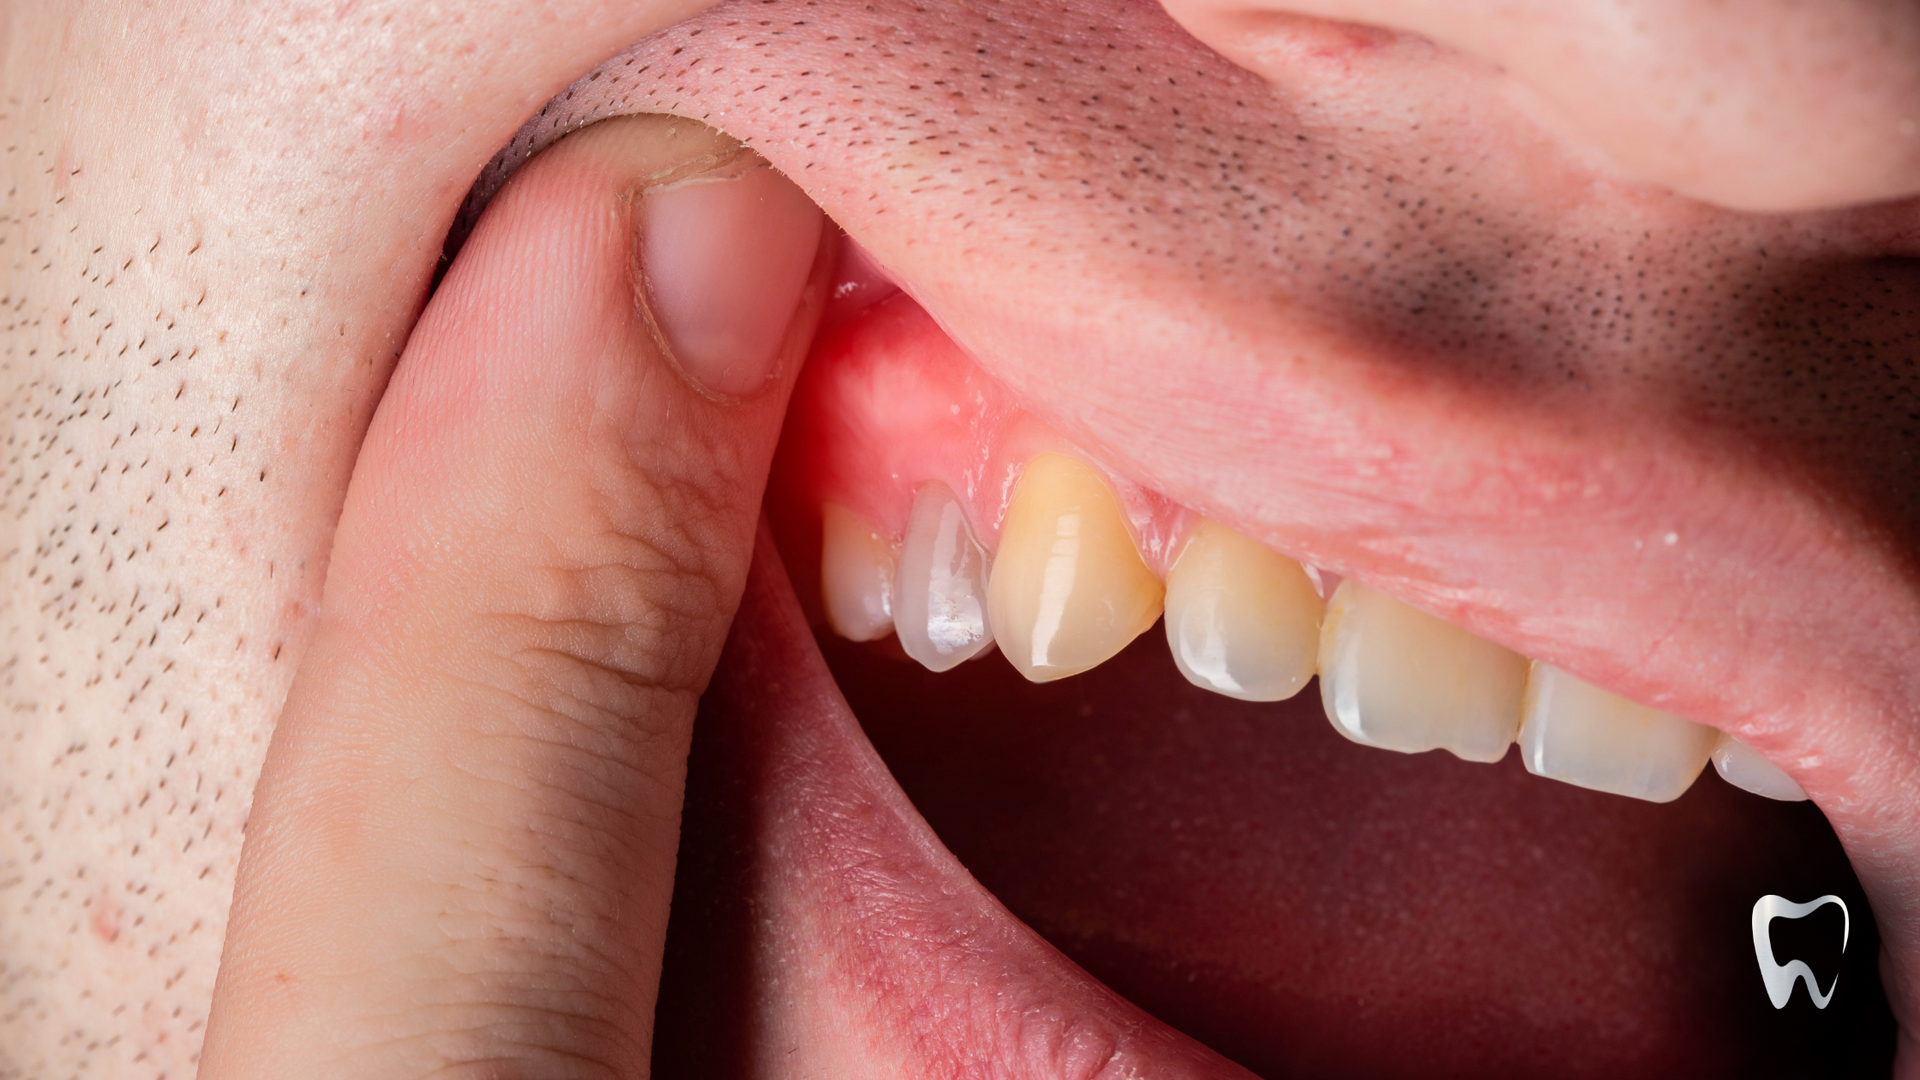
pixel 1665 92
pixel 222 229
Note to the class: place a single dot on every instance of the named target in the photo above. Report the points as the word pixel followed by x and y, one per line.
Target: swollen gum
pixel 888 402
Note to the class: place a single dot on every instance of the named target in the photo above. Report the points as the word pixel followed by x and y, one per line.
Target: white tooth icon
pixel 1781 977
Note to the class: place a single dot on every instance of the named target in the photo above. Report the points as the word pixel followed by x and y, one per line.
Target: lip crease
pixel 1439 389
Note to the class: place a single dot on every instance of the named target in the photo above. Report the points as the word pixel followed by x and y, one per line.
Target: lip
pixel 1416 464
pixel 1444 426
pixel 884 954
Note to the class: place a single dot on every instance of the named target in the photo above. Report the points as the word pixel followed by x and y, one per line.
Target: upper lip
pixel 1539 424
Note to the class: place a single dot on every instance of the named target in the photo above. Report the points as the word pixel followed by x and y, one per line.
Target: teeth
pixel 856 575
pixel 1578 733
pixel 1069 589
pixel 1397 678
pixel 940 611
pixel 1743 767
pixel 1242 620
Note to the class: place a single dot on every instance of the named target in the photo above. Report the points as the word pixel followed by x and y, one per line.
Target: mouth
pixel 1595 432
pixel 899 852
pixel 1120 874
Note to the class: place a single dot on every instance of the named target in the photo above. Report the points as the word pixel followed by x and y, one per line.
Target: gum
pixel 888 401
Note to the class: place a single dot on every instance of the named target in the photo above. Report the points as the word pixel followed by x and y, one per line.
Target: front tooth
pixel 856 575
pixel 1242 620
pixel 1574 731
pixel 1743 767
pixel 1395 677
pixel 940 611
pixel 1069 589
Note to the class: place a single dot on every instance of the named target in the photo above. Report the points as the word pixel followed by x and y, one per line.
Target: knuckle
pixel 601 644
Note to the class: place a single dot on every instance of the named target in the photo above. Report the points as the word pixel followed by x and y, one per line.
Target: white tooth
pixel 856 575
pixel 1575 732
pixel 940 597
pixel 1743 767
pixel 1242 620
pixel 1395 677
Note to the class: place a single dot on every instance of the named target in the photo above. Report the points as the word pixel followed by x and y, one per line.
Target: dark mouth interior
pixel 1307 907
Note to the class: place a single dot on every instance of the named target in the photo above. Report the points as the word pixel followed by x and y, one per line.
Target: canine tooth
pixel 939 599
pixel 856 575
pixel 1576 732
pixel 1395 677
pixel 1743 767
pixel 1069 589
pixel 1242 620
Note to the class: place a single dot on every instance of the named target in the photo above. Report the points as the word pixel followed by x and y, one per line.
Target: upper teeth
pixel 1743 767
pixel 1395 677
pixel 1242 619
pixel 1068 589
pixel 856 575
pixel 1576 732
pixel 940 603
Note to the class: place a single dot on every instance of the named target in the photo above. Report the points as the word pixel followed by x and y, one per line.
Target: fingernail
pixel 725 258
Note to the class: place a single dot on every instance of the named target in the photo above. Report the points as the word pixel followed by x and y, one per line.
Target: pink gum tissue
pixel 889 402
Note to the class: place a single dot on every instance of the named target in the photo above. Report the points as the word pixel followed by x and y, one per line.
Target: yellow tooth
pixel 1575 732
pixel 1743 767
pixel 1242 620
pixel 1395 677
pixel 1068 589
pixel 856 575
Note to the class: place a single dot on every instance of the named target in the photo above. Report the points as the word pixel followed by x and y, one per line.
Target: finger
pixel 461 850
pixel 1775 105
